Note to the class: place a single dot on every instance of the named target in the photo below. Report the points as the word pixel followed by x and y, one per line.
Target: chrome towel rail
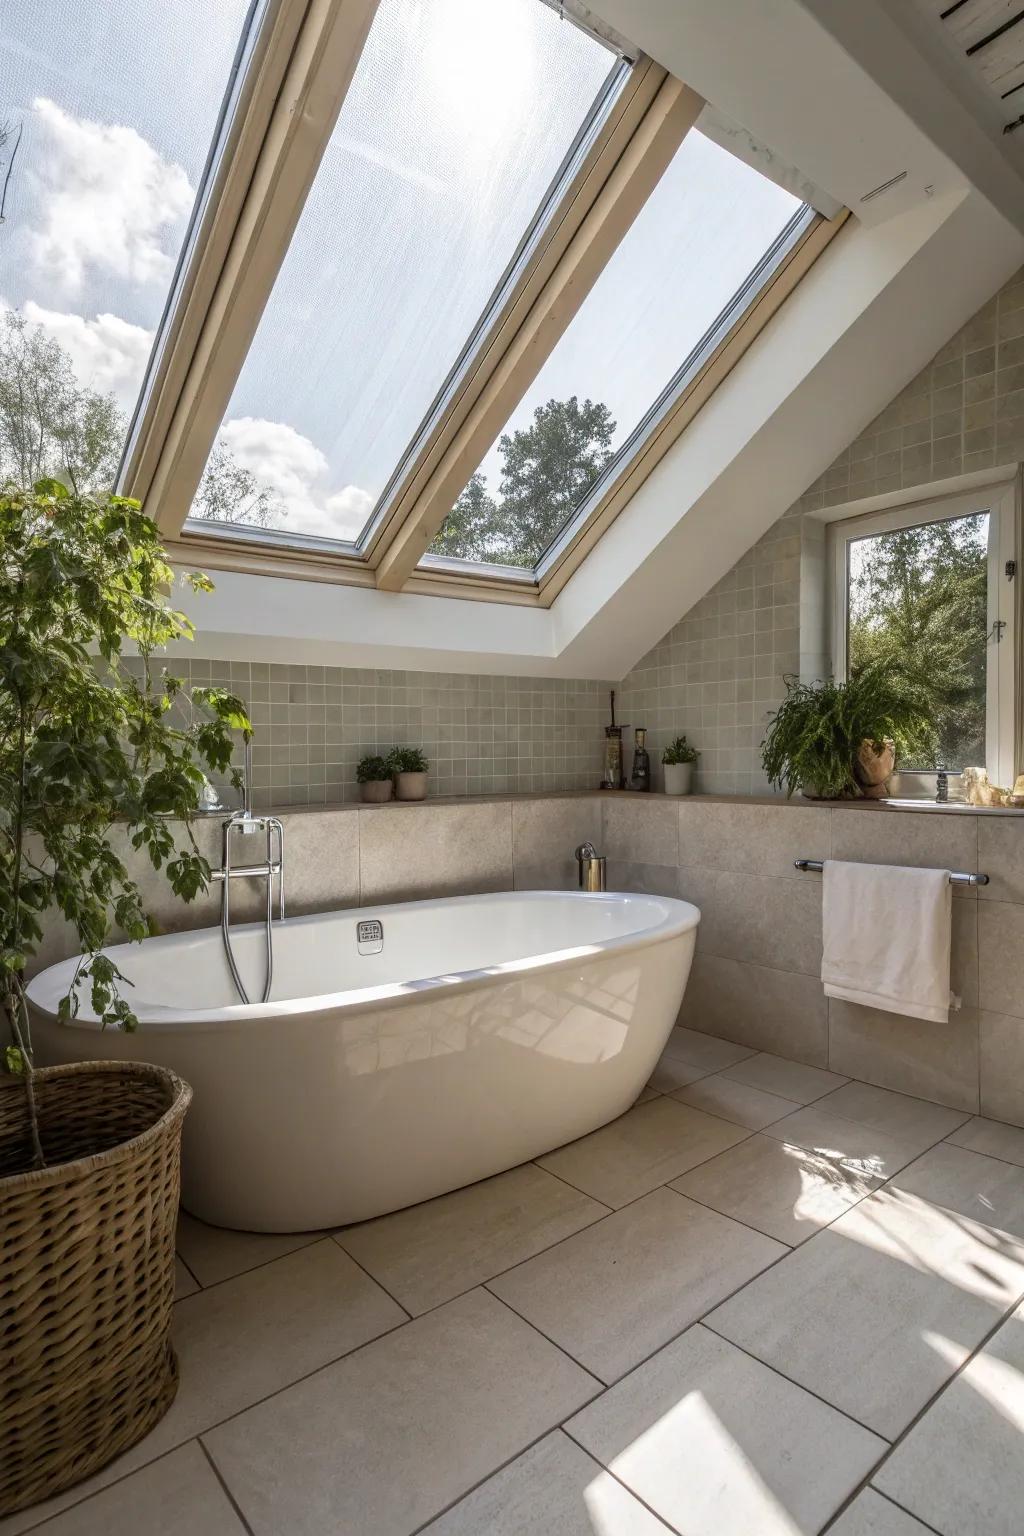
pixel 957 877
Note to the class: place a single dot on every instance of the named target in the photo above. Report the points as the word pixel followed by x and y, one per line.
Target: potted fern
pixel 677 760
pixel 88 1153
pixel 409 767
pixel 838 741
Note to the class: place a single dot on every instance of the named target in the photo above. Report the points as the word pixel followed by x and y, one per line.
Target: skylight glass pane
pixel 108 108
pixel 458 118
pixel 704 228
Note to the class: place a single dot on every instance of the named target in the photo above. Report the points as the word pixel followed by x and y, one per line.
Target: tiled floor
pixel 765 1302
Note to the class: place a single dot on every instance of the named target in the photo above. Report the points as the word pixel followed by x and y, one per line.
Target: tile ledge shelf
pixel 776 802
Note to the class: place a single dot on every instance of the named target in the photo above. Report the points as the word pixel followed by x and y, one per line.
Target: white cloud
pixel 107 353
pixel 296 471
pixel 110 203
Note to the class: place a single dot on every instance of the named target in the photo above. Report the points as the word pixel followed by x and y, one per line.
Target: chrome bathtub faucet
pixel 247 824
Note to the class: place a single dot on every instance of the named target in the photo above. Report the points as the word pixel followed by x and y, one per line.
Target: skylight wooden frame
pixel 286 103
pixel 301 63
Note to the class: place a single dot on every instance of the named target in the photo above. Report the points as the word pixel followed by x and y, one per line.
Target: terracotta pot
pixel 874 769
pixel 678 778
pixel 411 786
pixel 376 791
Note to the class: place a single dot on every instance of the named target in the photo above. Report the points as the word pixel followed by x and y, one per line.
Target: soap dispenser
pixel 640 778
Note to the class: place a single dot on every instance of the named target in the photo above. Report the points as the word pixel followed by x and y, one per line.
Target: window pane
pixel 701 232
pixel 109 108
pixel 457 120
pixel 918 598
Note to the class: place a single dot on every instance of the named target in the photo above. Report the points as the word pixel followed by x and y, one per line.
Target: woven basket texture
pixel 86 1270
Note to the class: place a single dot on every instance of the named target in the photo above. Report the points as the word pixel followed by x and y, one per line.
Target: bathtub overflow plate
pixel 370 937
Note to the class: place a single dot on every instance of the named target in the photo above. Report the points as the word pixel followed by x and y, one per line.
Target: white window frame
pixel 1000 502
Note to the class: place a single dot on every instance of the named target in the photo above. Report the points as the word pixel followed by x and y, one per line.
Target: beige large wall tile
pixel 434 850
pixel 1001 957
pixel 931 1061
pixel 640 829
pixel 322 861
pixel 752 839
pixel 768 1010
pixel 545 834
pixel 656 879
pixel 755 918
pixel 1001 857
pixel 918 839
pixel 1002 1067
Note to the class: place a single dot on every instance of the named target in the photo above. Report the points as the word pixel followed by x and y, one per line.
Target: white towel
pixel 887 933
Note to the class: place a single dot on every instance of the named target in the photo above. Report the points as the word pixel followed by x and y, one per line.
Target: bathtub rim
pixel 48 986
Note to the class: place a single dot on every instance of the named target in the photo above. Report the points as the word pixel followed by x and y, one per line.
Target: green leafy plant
pixel 372 769
pixel 813 739
pixel 407 760
pixel 86 742
pixel 679 751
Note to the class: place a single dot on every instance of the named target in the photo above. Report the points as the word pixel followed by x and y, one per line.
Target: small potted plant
pixel 678 759
pixel 837 741
pixel 409 767
pixel 373 774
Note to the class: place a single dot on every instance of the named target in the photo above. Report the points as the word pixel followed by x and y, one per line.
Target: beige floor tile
pixel 673 1072
pixel 855 1313
pixel 993 1138
pixel 387 1438
pixel 871 1515
pixel 788 1079
pixel 915 1120
pixel 645 1147
pixel 553 1489
pixel 737 1102
pixel 961 1468
pixel 647 1093
pixel 862 1149
pixel 184 1283
pixel 780 1189
pixel 432 1252
pixel 249 1337
pixel 719 1445
pixel 215 1253
pixel 705 1051
pixel 178 1493
pixel 616 1292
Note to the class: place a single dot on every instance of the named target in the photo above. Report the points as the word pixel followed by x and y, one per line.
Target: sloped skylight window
pixel 702 231
pixel 107 111
pixel 457 121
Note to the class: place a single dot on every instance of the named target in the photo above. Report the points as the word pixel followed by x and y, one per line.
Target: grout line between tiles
pixel 85 1498
pixel 204 1451
pixel 895 1444
pixel 777 1372
pixel 208 1429
pixel 1006 1161
pixel 192 1274
pixel 250 1269
pixel 903 1510
pixel 373 1278
pixel 633 1494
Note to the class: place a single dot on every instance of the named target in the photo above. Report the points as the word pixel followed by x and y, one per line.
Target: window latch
pixel 1011 569
pixel 996 632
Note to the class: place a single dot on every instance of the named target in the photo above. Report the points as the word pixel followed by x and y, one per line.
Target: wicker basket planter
pixel 86 1270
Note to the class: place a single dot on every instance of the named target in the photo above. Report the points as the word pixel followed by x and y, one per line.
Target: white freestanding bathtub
pixel 485 1031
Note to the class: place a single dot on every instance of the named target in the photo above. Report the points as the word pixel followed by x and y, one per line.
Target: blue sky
pixel 455 124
